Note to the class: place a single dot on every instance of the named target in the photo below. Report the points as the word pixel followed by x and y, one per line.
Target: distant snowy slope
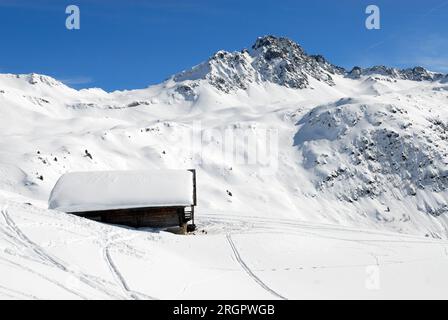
pixel 413 74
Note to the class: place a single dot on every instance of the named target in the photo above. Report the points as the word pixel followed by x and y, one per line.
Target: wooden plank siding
pixel 162 217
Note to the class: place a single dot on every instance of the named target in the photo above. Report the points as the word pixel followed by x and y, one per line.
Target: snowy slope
pixel 46 255
pixel 369 151
pixel 360 149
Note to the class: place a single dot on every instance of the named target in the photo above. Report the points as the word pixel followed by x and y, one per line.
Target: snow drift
pixel 112 190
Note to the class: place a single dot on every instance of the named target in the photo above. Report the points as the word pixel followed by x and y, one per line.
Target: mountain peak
pixel 282 61
pixel 277 47
pixel 35 78
pixel 271 59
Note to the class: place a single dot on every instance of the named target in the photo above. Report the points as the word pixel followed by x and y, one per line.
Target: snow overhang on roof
pixel 111 190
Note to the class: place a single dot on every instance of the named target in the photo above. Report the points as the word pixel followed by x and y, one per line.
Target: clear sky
pixel 134 43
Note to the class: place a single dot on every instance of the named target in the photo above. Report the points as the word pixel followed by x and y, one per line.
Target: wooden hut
pixel 149 198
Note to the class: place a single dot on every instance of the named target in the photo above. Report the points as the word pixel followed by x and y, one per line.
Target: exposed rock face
pixel 413 74
pixel 359 150
pixel 187 91
pixel 420 74
pixel 225 71
pixel 34 79
pixel 284 62
pixel 271 59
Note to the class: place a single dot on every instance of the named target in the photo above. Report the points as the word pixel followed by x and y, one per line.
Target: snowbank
pixel 108 190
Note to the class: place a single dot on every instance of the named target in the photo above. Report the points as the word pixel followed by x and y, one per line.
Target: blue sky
pixel 134 43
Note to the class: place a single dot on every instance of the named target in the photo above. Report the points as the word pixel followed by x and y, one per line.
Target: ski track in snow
pixel 261 224
pixel 30 244
pixel 44 277
pixel 17 294
pixel 111 240
pixel 49 260
pixel 249 271
pixel 46 258
pixel 118 276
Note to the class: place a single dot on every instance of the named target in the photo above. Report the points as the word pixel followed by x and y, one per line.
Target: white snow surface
pixel 48 255
pixel 359 183
pixel 108 190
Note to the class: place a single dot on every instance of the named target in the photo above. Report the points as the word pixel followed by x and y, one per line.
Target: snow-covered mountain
pixel 303 170
pixel 270 59
pixel 362 147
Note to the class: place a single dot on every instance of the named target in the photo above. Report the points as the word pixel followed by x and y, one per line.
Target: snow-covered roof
pixel 109 190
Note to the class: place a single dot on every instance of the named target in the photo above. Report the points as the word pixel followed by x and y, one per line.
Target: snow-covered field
pixel 46 255
pixel 313 182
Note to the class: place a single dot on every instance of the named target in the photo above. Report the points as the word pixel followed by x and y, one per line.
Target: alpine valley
pixel 357 179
